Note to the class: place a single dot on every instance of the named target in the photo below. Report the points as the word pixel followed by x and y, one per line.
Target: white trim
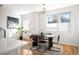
pixel 69 44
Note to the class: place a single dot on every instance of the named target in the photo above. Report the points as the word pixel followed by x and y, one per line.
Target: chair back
pixel 34 37
pixel 41 38
pixel 58 38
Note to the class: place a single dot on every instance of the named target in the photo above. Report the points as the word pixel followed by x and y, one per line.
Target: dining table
pixel 49 39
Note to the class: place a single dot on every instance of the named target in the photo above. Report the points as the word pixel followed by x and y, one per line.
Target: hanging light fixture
pixel 44 9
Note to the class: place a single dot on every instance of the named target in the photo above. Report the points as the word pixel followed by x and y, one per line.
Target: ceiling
pixel 27 8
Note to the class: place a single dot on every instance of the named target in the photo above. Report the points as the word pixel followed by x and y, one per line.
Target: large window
pixel 58 22
pixel 26 23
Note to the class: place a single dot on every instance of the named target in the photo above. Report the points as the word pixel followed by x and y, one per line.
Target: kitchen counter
pixel 11 46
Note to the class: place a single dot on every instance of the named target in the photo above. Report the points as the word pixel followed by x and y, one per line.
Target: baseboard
pixel 64 43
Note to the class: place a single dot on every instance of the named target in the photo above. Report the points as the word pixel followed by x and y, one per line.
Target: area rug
pixel 54 51
pixel 42 50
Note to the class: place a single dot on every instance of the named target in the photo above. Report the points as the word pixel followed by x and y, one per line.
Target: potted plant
pixel 21 32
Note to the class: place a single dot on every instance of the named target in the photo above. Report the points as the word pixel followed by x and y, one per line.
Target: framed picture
pixel 12 22
pixel 65 17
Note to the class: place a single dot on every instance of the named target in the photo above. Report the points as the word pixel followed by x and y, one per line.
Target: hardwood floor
pixel 67 50
pixel 30 52
pixel 25 51
pixel 70 50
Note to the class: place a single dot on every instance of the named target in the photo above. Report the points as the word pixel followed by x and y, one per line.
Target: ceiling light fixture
pixel 44 8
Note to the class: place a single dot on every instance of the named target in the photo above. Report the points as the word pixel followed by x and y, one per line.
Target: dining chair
pixel 34 42
pixel 56 43
pixel 42 43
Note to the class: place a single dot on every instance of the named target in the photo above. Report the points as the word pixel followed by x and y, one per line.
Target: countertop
pixel 10 44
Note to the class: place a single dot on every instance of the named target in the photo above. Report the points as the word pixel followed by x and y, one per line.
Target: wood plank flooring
pixel 30 52
pixel 70 50
pixel 67 50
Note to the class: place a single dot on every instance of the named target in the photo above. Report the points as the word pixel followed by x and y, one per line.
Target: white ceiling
pixel 27 8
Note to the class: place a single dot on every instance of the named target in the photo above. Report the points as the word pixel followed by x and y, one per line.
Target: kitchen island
pixel 11 46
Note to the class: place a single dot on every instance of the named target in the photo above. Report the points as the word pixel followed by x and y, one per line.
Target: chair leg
pixel 31 48
pixel 44 49
pixel 58 49
pixel 36 47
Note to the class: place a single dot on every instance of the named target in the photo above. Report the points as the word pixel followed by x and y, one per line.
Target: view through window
pixel 58 22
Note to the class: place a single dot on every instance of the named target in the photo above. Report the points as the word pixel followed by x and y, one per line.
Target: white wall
pixel 41 22
pixel 0 19
pixel 71 37
pixel 15 11
pixel 33 26
pixel 4 12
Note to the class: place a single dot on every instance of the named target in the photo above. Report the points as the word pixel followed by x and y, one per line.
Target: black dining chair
pixel 42 43
pixel 34 42
pixel 56 43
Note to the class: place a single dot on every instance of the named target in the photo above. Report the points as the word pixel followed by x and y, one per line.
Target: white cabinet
pixel 16 51
pixel 11 46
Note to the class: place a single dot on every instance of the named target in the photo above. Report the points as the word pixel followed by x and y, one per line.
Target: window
pixel 58 22
pixel 26 23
